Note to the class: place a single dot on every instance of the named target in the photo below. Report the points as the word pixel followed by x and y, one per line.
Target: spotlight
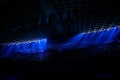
pixel 94 31
pixel 84 33
pixel 41 50
pixel 100 30
pixel 89 32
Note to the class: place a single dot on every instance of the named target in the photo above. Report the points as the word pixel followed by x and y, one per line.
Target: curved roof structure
pixel 28 19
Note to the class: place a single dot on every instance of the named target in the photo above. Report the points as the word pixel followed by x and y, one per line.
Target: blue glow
pixel 35 46
pixel 81 40
pixel 91 38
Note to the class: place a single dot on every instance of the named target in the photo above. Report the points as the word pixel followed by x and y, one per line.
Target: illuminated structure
pixel 35 46
pixel 83 40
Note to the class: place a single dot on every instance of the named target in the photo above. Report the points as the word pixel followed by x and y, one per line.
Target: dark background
pixel 19 20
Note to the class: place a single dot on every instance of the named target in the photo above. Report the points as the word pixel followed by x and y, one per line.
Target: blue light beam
pixel 92 38
pixel 36 46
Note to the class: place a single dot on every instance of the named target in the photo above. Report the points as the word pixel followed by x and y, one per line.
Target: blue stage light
pixel 81 40
pixel 35 46
pixel 92 38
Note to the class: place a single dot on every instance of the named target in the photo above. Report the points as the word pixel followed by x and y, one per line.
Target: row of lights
pixel 101 30
pixel 24 42
pixel 31 41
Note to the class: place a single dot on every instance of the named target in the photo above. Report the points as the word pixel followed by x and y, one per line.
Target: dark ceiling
pixel 32 19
